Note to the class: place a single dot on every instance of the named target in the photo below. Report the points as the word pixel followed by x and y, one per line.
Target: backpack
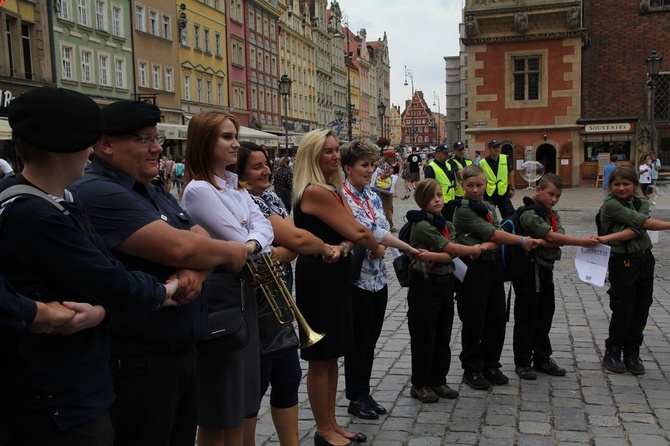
pixel 515 259
pixel 402 264
pixel 179 170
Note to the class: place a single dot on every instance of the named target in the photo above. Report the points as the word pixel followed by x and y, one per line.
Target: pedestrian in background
pixel 283 183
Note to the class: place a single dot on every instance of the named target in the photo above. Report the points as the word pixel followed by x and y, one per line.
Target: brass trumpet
pixel 268 273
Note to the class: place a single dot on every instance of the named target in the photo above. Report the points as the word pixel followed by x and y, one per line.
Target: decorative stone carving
pixel 574 17
pixel 521 22
pixel 471 27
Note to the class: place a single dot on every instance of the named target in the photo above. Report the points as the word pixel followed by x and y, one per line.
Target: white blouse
pixel 228 213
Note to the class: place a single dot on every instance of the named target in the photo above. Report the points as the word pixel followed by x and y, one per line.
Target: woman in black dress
pixel 323 290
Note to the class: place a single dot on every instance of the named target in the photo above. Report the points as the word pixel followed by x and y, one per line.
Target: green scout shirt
pixel 617 215
pixel 538 227
pixel 471 228
pixel 425 235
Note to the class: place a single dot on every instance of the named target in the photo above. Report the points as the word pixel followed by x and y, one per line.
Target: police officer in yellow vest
pixel 458 163
pixel 498 170
pixel 440 170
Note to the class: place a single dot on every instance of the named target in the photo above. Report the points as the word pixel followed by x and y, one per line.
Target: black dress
pixel 323 294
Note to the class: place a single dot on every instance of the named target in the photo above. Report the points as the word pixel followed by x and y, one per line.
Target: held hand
pixel 601 239
pixel 49 316
pixel 412 253
pixel 171 287
pixel 332 254
pixel 531 243
pixel 86 316
pixel 238 256
pixel 511 193
pixel 190 284
pixel 477 251
pixel 378 252
pixel 422 256
pixel 590 242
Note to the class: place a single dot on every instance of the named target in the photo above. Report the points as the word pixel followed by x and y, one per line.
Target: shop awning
pixel 177 131
pixel 257 136
pixel 5 130
pixel 172 131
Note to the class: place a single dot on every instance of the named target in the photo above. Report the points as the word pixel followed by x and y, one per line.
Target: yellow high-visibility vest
pixel 492 180
pixel 443 179
pixel 459 192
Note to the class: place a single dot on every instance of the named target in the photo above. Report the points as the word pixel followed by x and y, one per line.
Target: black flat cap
pixel 493 143
pixel 125 117
pixel 56 119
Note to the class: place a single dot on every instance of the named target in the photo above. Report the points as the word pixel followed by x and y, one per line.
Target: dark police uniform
pixel 481 297
pixel 52 384
pixel 534 303
pixel 152 354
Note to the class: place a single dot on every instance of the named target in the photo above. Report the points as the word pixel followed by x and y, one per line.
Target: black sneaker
pixel 495 376
pixel 634 365
pixel 476 380
pixel 549 367
pixel 525 372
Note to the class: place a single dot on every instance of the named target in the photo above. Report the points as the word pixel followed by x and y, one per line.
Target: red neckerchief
pixel 489 219
pixel 445 233
pixel 371 215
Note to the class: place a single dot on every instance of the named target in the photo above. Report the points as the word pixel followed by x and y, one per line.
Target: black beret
pixel 56 119
pixel 125 117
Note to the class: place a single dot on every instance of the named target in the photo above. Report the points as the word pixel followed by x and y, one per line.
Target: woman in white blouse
pixel 228 385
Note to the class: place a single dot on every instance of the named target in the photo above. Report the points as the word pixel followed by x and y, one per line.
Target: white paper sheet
pixel 591 264
pixel 461 269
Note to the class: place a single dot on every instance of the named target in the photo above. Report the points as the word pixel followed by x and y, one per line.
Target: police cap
pixel 493 143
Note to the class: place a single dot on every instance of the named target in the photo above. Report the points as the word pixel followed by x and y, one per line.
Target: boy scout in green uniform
pixel 534 304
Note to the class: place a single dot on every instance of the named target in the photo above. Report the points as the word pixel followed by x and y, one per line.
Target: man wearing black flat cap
pixel 499 173
pixel 153 358
pixel 57 389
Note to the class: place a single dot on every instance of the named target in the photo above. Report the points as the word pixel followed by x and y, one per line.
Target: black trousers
pixel 631 293
pixel 155 397
pixel 503 203
pixel 533 316
pixel 430 319
pixel 32 425
pixel 481 307
pixel 368 308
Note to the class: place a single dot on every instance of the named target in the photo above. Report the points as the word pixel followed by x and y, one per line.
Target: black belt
pixel 634 255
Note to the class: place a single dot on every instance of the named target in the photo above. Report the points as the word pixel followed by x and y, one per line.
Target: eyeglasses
pixel 148 139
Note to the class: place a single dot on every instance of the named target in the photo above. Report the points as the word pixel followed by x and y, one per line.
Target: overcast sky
pixel 420 34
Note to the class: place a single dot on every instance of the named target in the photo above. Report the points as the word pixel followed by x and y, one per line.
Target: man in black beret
pixel 144 226
pixel 57 389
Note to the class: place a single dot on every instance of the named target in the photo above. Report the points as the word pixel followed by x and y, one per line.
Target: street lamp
pixel 653 67
pixel 381 112
pixel 437 125
pixel 408 73
pixel 285 90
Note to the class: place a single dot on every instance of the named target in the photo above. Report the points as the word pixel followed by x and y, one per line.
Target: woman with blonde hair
pixel 228 383
pixel 323 290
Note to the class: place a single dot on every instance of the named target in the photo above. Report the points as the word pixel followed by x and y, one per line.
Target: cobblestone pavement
pixel 588 406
